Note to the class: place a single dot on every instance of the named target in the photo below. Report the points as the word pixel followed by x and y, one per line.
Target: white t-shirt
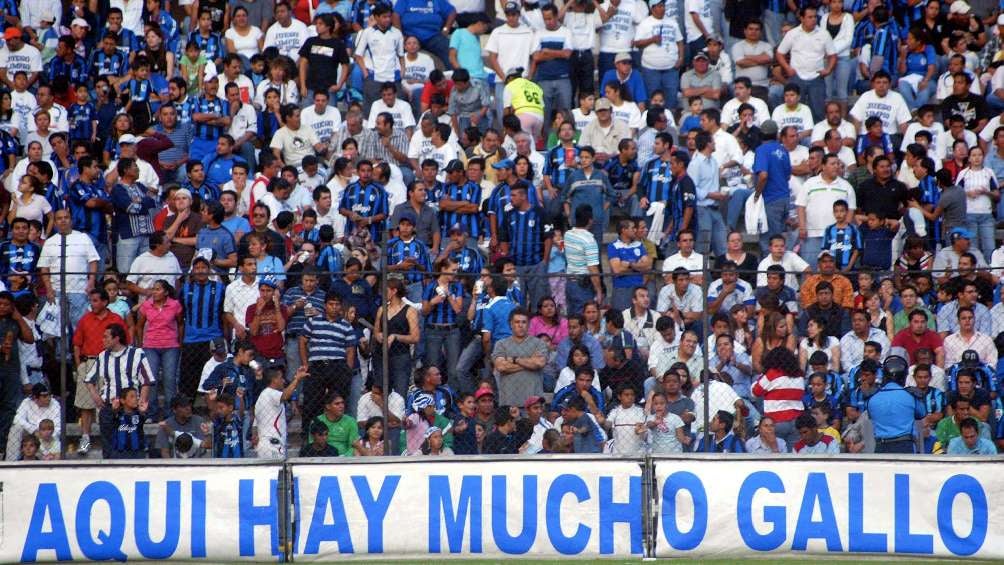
pixel 629 113
pixel 818 196
pixel 945 141
pixel 401 111
pixel 443 155
pixel 80 252
pixel 567 377
pixel 512 45
pixel 289 93
pixel 294 146
pixel 730 111
pixel 694 263
pixel 582 120
pixel 891 109
pixel 617 34
pixel 246 45
pixel 808 50
pixel 792 264
pixel 147 268
pixel 417 70
pixel 59 120
pixel 287 39
pixel 800 117
pixel 935 129
pixel 703 10
pixel 23 104
pixel 26 59
pixel 659 56
pixel 381 51
pixel 325 124
pixel 622 422
pixel 243 83
pixel 845 128
pixel 34 209
pixel 275 205
pixel 270 418
pixel 582 27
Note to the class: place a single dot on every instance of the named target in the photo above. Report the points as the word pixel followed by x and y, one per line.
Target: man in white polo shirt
pixel 814 204
pixel 812 57
pixel 379 54
pixel 508 49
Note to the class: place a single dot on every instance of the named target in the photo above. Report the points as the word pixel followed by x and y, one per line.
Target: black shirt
pixel 323 58
pixel 310 450
pixel 972 108
pixel 886 199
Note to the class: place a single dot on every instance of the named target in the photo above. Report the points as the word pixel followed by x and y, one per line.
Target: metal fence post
pixel 64 357
pixel 286 516
pixel 648 506
pixel 705 373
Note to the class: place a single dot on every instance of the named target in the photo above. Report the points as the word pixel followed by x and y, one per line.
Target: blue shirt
pixel 102 64
pixel 212 47
pixel 593 191
pixel 203 105
pixel 635 84
pixel 228 439
pixel 931 194
pixel 329 340
pixel 656 182
pixel 367 201
pixel 442 313
pixel 398 250
pixel 139 90
pixel 88 220
pixel 19 258
pixel 842 242
pixel 358 294
pixel 74 72
pixel 772 158
pixel 629 253
pixel 957 446
pixel 621 175
pixel 526 233
pixel 237 224
pixel 468 192
pixel 218 168
pixel 203 305
pixel 704 172
pixel 82 118
pixel 297 318
pixel 559 67
pixel 885 43
pixel 468 53
pixel 591 344
pixel 496 318
pixel 893 411
pixel 470 261
pixel 423 18
pixel 220 240
pixel 916 63
pixel 555 166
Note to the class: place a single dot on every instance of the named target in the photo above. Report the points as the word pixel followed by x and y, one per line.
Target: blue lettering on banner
pixel 774 515
pixel 684 480
pixel 172 522
pixel 806 528
pixel 523 541
pixel 46 504
pixel 858 540
pixel 968 486
pixel 454 519
pixel 198 541
pixel 329 495
pixel 252 516
pixel 375 508
pixel 907 542
pixel 620 512
pixel 108 545
pixel 561 486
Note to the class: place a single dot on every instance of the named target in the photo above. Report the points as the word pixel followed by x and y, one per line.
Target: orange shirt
pixel 89 335
pixel 843 291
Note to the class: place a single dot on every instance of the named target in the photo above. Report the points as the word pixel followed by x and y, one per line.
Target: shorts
pixel 83 399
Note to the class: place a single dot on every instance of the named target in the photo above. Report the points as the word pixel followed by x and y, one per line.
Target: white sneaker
pixel 85 445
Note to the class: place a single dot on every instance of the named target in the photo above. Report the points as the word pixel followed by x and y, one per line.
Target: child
pixel 83 117
pixel 139 88
pixel 842 238
pixel 665 429
pixel 193 65
pixel 329 260
pixel 583 115
pixel 556 269
pixel 228 436
pixel 423 418
pixel 24 104
pixel 318 446
pixel 626 424
pixel 874 136
pixel 128 439
pixel 307 230
pixel 587 436
pixel 257 69
pixel 691 119
pixel 312 176
pixel 116 302
pixel 48 443
pixel 876 243
pixel 832 385
pixel 29 449
pixel 822 412
pixel 618 339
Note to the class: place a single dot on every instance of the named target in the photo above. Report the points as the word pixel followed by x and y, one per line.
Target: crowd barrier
pixel 537 507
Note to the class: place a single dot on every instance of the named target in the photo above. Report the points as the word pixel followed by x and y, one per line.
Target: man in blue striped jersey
pixel 442 301
pixel 460 201
pixel 470 261
pixel 561 160
pixel 331 355
pixel 525 235
pixel 202 300
pixel 211 116
pixel 407 255
pixel 364 203
pixel 304 302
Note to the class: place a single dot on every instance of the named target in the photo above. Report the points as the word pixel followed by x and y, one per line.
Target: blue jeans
pixel 916 98
pixel 129 249
pixel 533 280
pixel 102 248
pixel 436 341
pixel 737 206
pixel 982 228
pixel 838 83
pixel 468 358
pixel 604 63
pixel 711 230
pixel 577 295
pixel 695 47
pixel 810 250
pixel 996 102
pixel 668 81
pixel 777 213
pixel 772 23
pixel 557 94
pixel 164 360
pixel 813 94
pixel 439 46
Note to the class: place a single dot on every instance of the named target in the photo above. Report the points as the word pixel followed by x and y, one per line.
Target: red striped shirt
pixel 782 395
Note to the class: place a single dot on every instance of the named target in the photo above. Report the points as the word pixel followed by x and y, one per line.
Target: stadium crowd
pixel 421 229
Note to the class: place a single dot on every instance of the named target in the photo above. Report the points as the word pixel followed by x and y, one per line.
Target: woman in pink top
pixel 548 322
pixel 158 332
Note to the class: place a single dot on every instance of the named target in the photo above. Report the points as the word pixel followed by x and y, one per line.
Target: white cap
pixel 959 7
pixel 80 22
pixel 47 16
pixel 1000 20
pixel 127 138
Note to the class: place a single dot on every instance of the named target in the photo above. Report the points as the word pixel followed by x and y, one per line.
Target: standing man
pixel 131 222
pixel 588 186
pixel 661 45
pixel 812 58
pixel 582 257
pixel 269 435
pixel 772 167
pixel 629 261
pixel 88 205
pixel 303 302
pixel 379 54
pixel 13 331
pixel 814 204
pixel 509 47
pixel 525 235
pixel 550 65
pixel 894 410
pixel 330 356
pixel 81 266
pixel 519 360
pixel 460 202
pixel 202 300
pixel 704 171
pixel 364 203
pixel 211 116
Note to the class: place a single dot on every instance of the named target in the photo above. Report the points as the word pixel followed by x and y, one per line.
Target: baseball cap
pixel 454 166
pixel 12 33
pixel 504 164
pixel 622 57
pixel 457 228
pixel 959 7
pixel 268 281
pixel 957 233
pixel 533 400
pixel 511 7
pixel 603 104
pixel 970 358
pixel 408 217
pixel 819 358
pixel 702 55
pixel 127 138
pixel 39 389
pixel 80 22
pixel 218 344
pixel 483 391
pixel 715 38
pixel 768 127
pixel 825 253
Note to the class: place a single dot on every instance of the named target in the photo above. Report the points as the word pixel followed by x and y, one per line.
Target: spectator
pixel 812 439
pixel 31 416
pixel 721 439
pixel 159 322
pixel 813 60
pixel 519 359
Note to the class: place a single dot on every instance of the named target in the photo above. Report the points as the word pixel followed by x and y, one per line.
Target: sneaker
pixel 85 445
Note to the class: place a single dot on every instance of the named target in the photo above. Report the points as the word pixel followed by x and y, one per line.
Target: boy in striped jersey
pixel 842 238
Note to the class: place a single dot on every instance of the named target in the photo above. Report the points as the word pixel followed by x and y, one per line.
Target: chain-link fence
pixel 509 361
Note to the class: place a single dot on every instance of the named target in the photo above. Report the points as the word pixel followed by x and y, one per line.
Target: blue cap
pixel 956 233
pixel 268 280
pixel 457 228
pixel 504 164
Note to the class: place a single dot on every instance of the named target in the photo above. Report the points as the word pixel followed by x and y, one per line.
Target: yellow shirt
pixel 832 432
pixel 525 97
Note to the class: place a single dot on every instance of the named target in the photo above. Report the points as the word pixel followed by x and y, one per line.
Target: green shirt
pixel 902 319
pixel 341 434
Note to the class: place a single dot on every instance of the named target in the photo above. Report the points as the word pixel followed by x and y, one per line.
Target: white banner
pixel 423 507
pixel 139 512
pixel 737 507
